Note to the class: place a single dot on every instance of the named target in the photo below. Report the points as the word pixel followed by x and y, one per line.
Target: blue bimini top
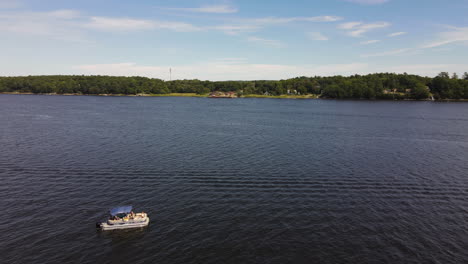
pixel 120 210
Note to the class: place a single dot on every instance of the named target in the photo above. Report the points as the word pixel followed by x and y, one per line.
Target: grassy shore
pixel 142 95
pixel 307 96
pixel 178 95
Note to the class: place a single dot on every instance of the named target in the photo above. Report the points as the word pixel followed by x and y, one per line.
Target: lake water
pixel 233 180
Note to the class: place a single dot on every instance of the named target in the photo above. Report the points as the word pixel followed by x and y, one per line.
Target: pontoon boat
pixel 123 217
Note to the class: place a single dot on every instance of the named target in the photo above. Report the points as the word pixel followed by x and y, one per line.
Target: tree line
pixel 371 86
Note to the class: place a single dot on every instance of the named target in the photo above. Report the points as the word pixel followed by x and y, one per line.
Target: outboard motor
pixel 98 225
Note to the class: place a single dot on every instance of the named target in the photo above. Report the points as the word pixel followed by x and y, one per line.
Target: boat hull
pixel 106 226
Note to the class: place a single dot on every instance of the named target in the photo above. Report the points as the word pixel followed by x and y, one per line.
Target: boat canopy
pixel 121 210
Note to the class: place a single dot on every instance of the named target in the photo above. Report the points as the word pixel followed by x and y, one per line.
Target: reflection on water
pixel 124 234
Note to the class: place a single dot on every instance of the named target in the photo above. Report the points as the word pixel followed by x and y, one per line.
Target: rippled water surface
pixel 233 181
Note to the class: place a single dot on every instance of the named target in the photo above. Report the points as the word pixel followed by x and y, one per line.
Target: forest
pixel 371 86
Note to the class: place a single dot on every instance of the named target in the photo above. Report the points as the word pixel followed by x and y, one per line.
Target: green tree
pixel 444 75
pixel 420 91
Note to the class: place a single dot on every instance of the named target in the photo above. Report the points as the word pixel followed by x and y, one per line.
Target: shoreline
pixel 310 96
pixel 175 95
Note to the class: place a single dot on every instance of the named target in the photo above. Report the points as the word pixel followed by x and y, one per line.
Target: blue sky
pixel 233 39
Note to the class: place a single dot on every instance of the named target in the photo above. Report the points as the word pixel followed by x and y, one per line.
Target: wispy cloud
pixel 358 29
pixel 283 20
pixel 64 23
pixel 64 14
pixel 254 24
pixel 349 25
pixel 71 25
pixel 57 24
pixel 370 42
pixel 396 34
pixel 368 2
pixel 118 24
pixel 266 42
pixel 216 9
pixel 455 35
pixel 129 24
pixel 317 36
pixel 236 29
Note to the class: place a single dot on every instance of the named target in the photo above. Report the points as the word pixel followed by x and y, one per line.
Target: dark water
pixel 233 181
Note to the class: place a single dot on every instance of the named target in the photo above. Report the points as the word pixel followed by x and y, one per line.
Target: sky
pixel 232 39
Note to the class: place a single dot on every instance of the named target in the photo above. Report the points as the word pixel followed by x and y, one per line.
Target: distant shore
pixel 309 96
pixel 127 95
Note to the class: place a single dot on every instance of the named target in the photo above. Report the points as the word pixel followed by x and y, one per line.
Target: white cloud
pixel 266 42
pixel 320 19
pixel 255 24
pixel 370 42
pixel 284 20
pixel 456 35
pixel 396 34
pixel 217 9
pixel 119 24
pixel 58 24
pixel 129 24
pixel 317 36
pixel 349 25
pixel 70 25
pixel 220 70
pixel 64 14
pixel 357 29
pixel 368 2
pixel 235 29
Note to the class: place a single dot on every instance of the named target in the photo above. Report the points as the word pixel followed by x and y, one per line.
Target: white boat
pixel 122 218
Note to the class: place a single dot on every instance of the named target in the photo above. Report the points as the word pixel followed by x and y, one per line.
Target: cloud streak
pixel 215 9
pixel 66 22
pixel 370 42
pixel 256 24
pixel 396 34
pixel 284 20
pixel 456 35
pixel 129 24
pixel 317 36
pixel 358 29
pixel 265 42
pixel 57 24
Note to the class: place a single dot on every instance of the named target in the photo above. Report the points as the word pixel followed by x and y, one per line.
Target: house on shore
pixel 218 94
